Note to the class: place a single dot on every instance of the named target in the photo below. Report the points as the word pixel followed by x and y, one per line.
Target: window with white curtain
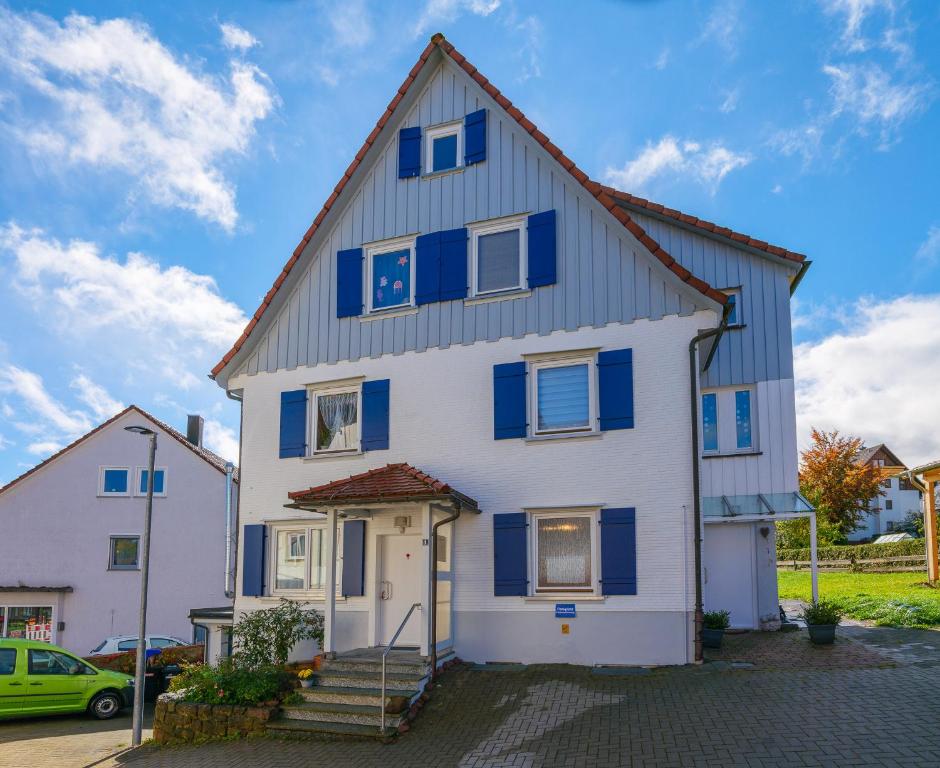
pixel 563 395
pixel 298 562
pixel 496 249
pixel 337 420
pixel 564 551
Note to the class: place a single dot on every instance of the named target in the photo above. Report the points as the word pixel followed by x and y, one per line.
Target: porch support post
pixel 930 527
pixel 329 638
pixel 428 520
pixel 813 566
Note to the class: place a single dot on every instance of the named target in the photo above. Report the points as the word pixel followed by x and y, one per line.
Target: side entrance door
pixel 399 588
pixel 54 682
pixel 729 558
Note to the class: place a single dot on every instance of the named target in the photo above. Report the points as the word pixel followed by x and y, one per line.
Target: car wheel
pixel 105 706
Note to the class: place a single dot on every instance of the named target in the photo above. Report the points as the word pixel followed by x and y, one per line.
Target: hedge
pixel 856 551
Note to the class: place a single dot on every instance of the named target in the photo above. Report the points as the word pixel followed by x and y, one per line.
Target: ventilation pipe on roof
pixel 229 580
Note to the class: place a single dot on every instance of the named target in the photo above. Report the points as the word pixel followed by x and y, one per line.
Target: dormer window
pixel 443 147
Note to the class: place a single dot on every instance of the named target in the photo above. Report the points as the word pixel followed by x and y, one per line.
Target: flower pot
pixel 306 683
pixel 822 634
pixel 711 638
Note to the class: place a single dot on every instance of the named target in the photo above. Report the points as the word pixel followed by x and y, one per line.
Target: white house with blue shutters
pixel 534 418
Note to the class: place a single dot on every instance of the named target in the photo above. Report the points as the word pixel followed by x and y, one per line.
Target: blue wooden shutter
pixel 615 381
pixel 510 545
pixel 354 547
pixel 293 423
pixel 542 251
pixel 453 264
pixel 428 268
pixel 253 544
pixel 509 417
pixel 409 152
pixel 618 551
pixel 474 137
pixel 349 282
pixel 375 396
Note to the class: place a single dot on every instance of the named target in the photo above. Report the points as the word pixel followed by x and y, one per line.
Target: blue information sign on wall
pixel 565 611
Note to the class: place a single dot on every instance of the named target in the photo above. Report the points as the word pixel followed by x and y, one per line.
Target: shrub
pixel 823 612
pixel 227 683
pixel 716 619
pixel 264 638
pixel 856 551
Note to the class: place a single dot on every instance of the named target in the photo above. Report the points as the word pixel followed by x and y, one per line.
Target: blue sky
pixel 159 163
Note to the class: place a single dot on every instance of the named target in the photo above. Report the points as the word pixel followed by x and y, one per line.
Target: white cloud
pixel 446 11
pixel 237 39
pixel 670 158
pixel 662 61
pixel 350 23
pixel 47 412
pixel 777 189
pixel 928 252
pixel 730 102
pixel 874 376
pixel 221 440
pixel 44 448
pixel 114 98
pixel 723 27
pixel 854 13
pixel 96 397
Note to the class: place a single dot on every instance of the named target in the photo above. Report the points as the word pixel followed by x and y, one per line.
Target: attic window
pixel 734 300
pixel 444 150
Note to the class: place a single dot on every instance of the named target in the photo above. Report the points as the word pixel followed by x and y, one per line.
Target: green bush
pixel 823 612
pixel 857 551
pixel 264 638
pixel 716 619
pixel 227 683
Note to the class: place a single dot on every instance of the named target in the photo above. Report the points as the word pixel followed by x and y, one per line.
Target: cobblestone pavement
pixel 874 713
pixel 67 741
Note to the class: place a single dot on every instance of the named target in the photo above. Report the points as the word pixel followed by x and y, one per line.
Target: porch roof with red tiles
pixel 600 193
pixel 391 483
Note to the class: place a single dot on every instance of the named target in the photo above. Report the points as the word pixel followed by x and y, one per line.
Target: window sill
pixel 332 455
pixel 445 172
pixel 115 496
pixel 571 597
pixel 298 595
pixel 112 569
pixel 521 293
pixel 563 436
pixel 384 313
pixel 731 455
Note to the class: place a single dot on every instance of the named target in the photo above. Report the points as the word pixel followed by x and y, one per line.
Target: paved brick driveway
pixel 879 712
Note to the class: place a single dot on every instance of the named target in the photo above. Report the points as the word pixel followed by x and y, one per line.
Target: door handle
pixel 35 683
pixel 386 590
pixel 12 684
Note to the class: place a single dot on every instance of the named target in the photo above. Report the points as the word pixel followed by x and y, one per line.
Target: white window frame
pixel 317 391
pixel 130 481
pixel 387 246
pixel 717 449
pixel 506 224
pixel 534 517
pixel 309 531
pixel 727 422
pixel 736 292
pixel 562 361
pixel 454 128
pixel 137 475
pixel 111 565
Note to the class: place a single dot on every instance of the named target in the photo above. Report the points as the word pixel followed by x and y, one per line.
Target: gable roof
pixel 867 454
pixel 601 193
pixel 203 453
pixel 393 482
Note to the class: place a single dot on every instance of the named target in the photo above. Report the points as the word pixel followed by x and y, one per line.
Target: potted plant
pixel 713 628
pixel 306 678
pixel 821 619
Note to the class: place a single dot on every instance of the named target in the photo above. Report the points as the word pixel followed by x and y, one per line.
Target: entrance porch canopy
pixel 356 497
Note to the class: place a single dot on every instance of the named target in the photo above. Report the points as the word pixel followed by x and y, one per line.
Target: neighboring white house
pixel 471 389
pixel 901 497
pixel 70 531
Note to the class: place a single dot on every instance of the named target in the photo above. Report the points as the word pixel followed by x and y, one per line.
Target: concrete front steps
pixel 346 696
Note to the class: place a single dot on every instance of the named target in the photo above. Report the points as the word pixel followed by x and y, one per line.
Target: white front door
pixel 400 588
pixel 729 558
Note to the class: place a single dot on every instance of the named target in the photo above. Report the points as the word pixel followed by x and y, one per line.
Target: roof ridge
pixel 438 41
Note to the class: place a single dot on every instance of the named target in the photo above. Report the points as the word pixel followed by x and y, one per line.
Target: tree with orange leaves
pixel 833 480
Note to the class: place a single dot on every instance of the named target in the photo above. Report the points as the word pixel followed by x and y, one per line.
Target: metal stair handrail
pixel 385 653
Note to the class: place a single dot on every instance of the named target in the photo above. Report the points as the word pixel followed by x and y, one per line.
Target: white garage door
pixel 730 572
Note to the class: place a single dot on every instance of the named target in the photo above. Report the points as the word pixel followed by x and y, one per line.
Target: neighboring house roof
pixel 601 193
pixel 393 482
pixel 865 455
pixel 205 454
pixel 23 588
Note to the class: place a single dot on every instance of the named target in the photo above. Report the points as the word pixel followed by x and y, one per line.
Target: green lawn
pixel 888 599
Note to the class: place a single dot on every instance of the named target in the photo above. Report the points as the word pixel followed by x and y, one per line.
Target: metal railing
pixel 385 653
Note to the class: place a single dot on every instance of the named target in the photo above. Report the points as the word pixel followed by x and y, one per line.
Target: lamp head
pixel 140 430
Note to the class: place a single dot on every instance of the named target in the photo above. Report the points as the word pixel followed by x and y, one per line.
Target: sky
pixel 159 162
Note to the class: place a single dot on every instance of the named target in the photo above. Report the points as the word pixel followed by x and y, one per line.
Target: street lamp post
pixel 144 554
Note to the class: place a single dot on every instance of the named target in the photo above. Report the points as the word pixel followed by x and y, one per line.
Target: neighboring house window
pixel 298 559
pixel 904 484
pixel 124 551
pixel 496 250
pixel 336 419
pixel 391 274
pixel 226 642
pixel 734 299
pixel 722 434
pixel 564 551
pixel 444 147
pixel 563 392
pixel 159 482
pixel 889 504
pixel 28 623
pixel 114 481
pixel 887 482
pixel 891 525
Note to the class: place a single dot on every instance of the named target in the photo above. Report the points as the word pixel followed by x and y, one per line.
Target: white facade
pixel 892 509
pixel 57 527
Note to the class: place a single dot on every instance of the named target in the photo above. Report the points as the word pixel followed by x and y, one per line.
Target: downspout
pixel 696 485
pixel 229 591
pixel 231 526
pixel 433 607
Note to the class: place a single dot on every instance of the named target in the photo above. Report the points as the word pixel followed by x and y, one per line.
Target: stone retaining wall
pixel 182 722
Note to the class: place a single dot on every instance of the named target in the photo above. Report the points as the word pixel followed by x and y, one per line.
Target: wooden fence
pixel 896 564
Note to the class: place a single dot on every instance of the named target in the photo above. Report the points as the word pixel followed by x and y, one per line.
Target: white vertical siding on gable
pixel 600 277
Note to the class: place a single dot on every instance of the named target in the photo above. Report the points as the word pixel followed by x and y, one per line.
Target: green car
pixel 37 678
